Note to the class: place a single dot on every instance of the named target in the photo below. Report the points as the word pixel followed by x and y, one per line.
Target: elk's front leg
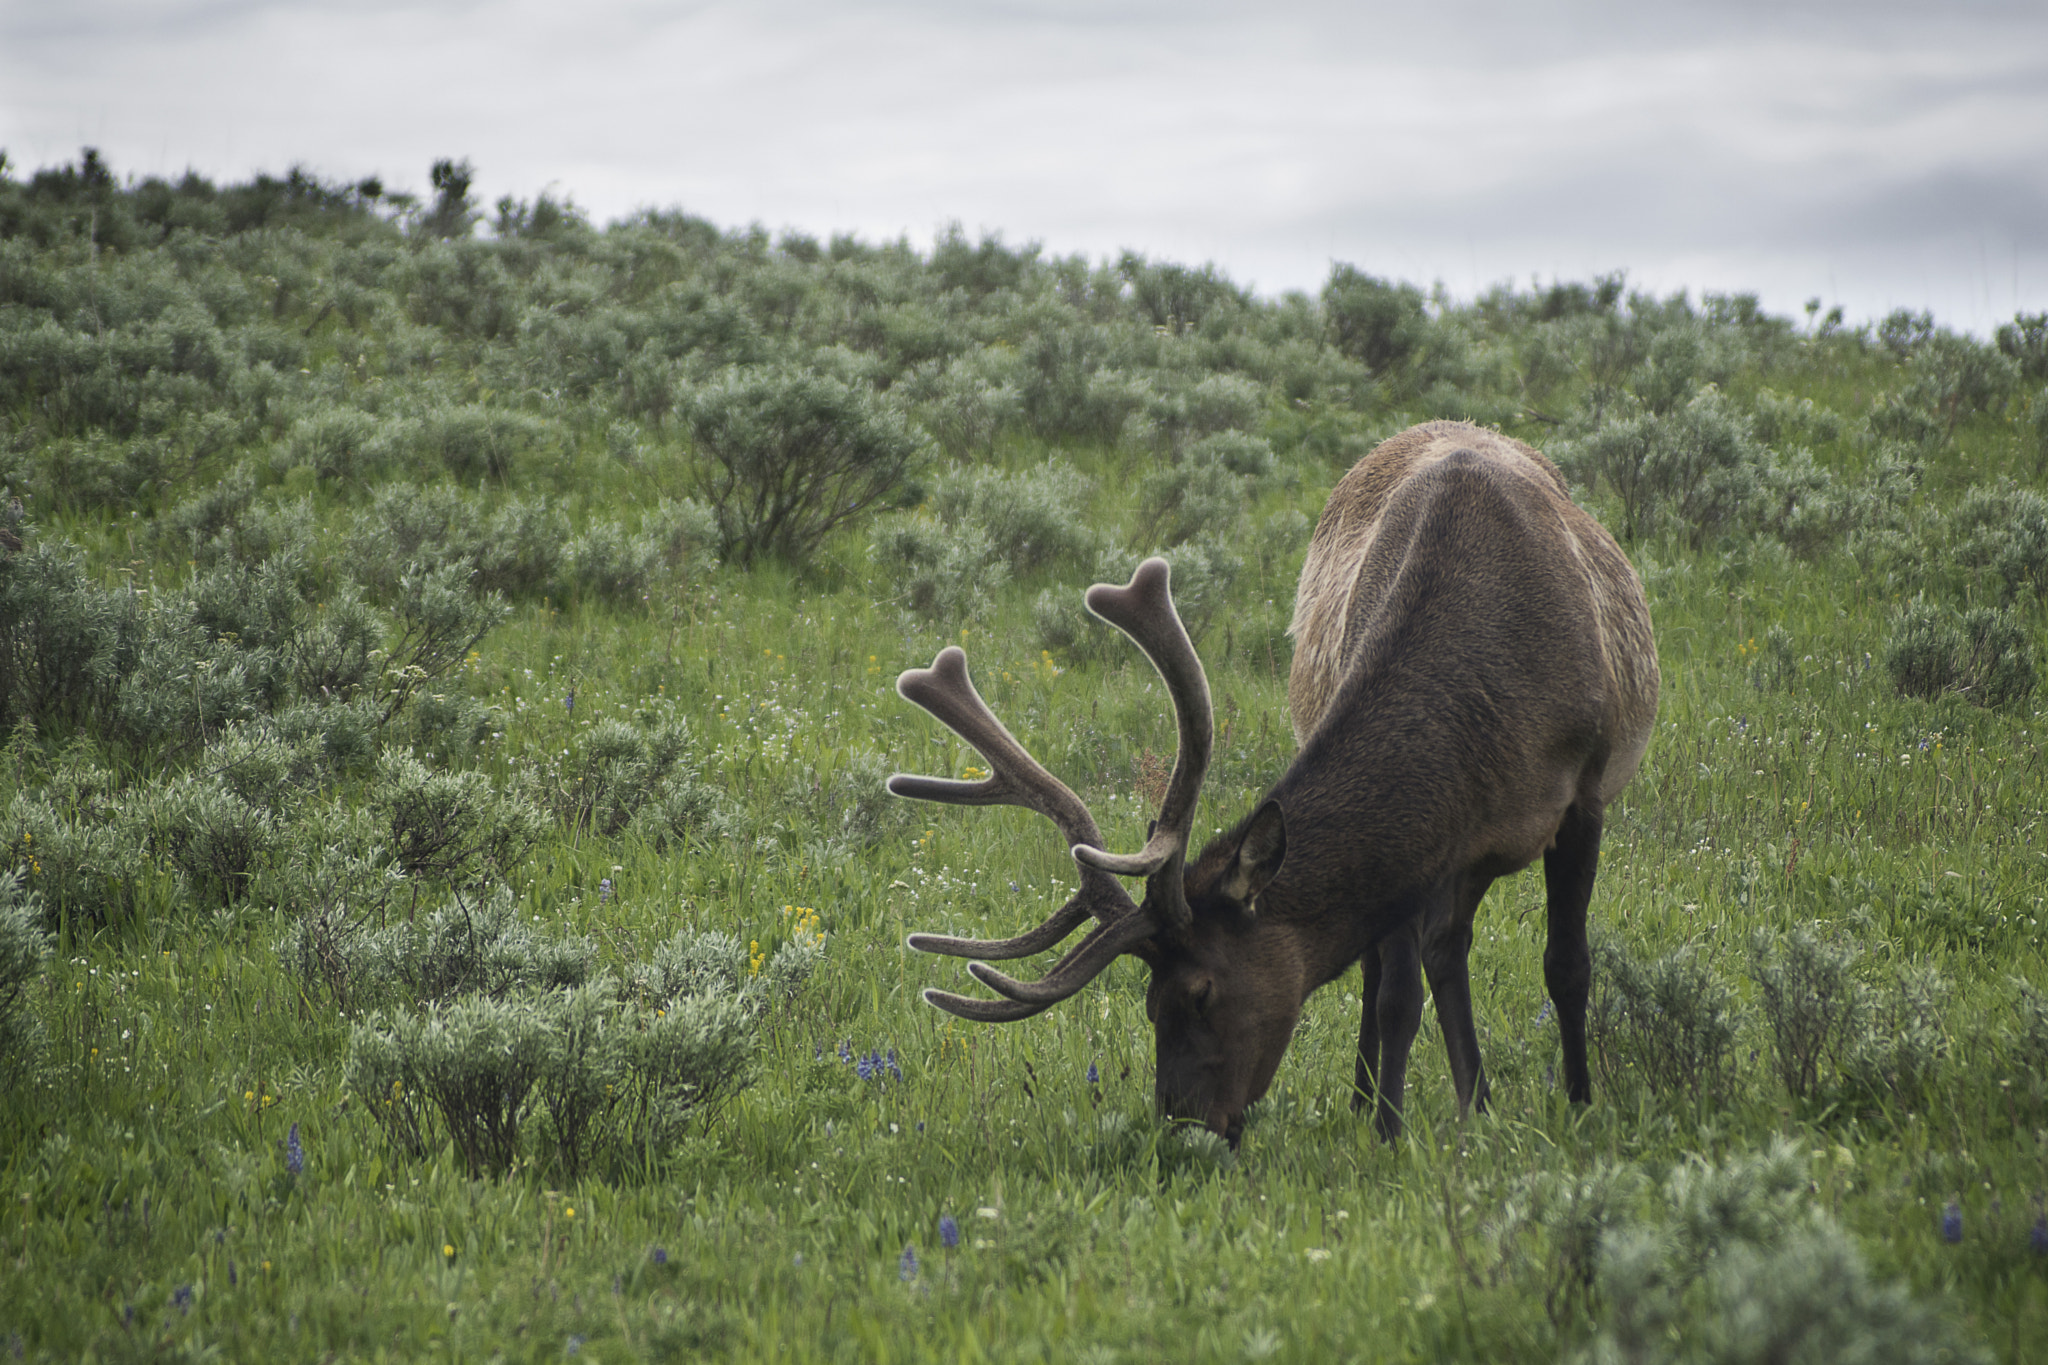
pixel 1397 1015
pixel 1446 958
pixel 1568 871
pixel 1366 1085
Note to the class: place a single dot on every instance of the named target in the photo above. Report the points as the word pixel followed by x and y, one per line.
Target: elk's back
pixel 1533 586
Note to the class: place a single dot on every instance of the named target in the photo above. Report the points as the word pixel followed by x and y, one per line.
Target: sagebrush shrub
pixel 1812 1001
pixel 1694 469
pixel 2004 529
pixel 1673 1021
pixel 84 864
pixel 1735 1266
pixel 474 442
pixel 217 840
pixel 965 402
pixel 1036 519
pixel 941 574
pixel 1899 1049
pixel 606 563
pixel 439 620
pixel 2026 1037
pixel 337 443
pixel 846 804
pixel 24 948
pixel 66 643
pixel 454 828
pixel 1982 655
pixel 614 771
pixel 789 456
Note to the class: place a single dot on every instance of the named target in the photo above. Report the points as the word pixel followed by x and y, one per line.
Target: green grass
pixel 180 1054
pixel 146 1206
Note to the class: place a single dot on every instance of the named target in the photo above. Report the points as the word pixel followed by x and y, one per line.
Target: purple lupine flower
pixel 1094 1076
pixel 294 1154
pixel 231 1272
pixel 569 705
pixel 845 1054
pixel 604 890
pixel 949 1232
pixel 894 1069
pixel 1952 1222
pixel 181 1298
pixel 2038 1238
pixel 865 1068
pixel 906 1265
pixel 661 1256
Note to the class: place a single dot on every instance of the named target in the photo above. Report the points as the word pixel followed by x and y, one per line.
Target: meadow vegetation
pixel 451 907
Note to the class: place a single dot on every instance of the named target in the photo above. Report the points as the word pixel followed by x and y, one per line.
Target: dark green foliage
pixel 790 455
pixel 1377 322
pixel 452 213
pixel 65 641
pixel 1981 654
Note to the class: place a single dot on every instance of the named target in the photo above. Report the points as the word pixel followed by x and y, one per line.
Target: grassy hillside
pixel 446 670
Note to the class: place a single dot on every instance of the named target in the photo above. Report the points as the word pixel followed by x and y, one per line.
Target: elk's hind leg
pixel 1568 871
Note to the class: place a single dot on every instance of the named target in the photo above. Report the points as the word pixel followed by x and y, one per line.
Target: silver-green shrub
pixel 1982 655
pixel 1897 1054
pixel 455 828
pixel 942 574
pixel 789 455
pixel 1693 469
pixel 1812 1001
pixel 1732 1264
pixel 1037 518
pixel 24 948
pixel 1672 1021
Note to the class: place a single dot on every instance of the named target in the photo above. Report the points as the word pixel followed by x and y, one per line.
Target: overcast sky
pixel 1873 153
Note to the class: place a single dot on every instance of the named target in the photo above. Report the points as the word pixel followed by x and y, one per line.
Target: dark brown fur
pixel 1474 680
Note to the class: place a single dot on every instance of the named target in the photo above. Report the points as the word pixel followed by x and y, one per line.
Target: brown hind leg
pixel 1568 871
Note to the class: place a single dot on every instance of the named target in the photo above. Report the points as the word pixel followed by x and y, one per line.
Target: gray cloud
pixel 1860 151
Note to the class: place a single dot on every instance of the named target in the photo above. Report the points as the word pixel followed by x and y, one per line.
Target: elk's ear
pixel 1259 855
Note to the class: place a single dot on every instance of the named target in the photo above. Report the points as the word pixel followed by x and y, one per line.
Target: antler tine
pixel 981 1011
pixel 1024 945
pixel 1082 964
pixel 1015 779
pixel 1144 610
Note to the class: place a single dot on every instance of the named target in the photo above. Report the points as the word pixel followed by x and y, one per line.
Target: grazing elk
pixel 1474 680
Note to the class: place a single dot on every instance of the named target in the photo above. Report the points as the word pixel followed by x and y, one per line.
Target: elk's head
pixel 1226 986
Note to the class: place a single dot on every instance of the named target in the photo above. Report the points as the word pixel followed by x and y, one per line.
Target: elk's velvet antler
pixel 1143 610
